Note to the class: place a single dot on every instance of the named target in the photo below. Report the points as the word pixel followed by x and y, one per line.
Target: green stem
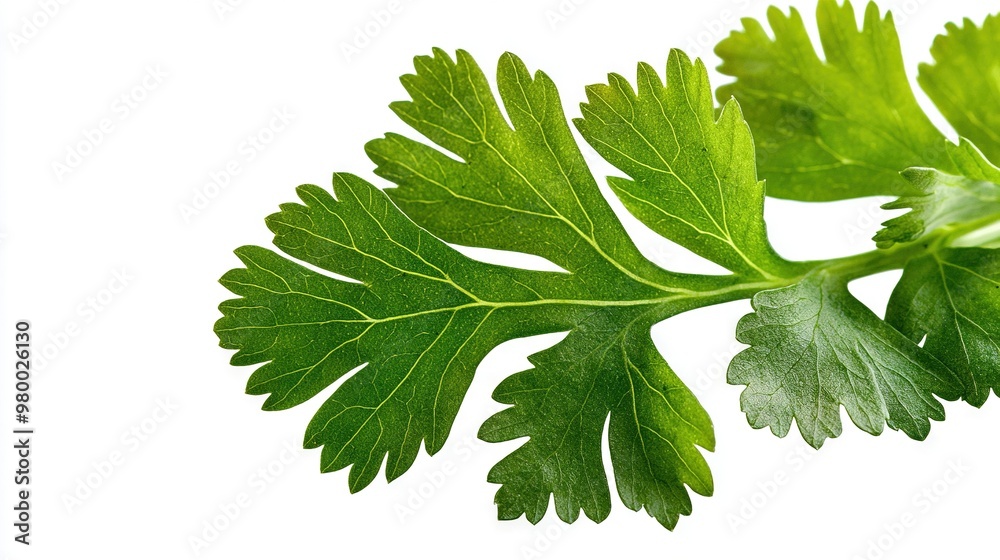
pixel 879 260
pixel 847 268
pixel 973 233
pixel 986 233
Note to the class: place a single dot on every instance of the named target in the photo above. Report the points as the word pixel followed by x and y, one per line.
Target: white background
pixel 65 236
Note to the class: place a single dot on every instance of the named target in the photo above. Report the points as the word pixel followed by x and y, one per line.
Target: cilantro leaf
pixel 421 316
pixel 562 404
pixel 829 129
pixel 964 81
pixel 417 320
pixel 815 348
pixel 521 188
pixel 692 179
pixel 945 199
pixel 952 297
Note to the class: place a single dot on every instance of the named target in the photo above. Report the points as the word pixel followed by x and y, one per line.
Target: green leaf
pixel 952 297
pixel 693 179
pixel 562 405
pixel 964 81
pixel 417 320
pixel 521 188
pixel 945 199
pixel 830 128
pixel 815 348
pixel 419 316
